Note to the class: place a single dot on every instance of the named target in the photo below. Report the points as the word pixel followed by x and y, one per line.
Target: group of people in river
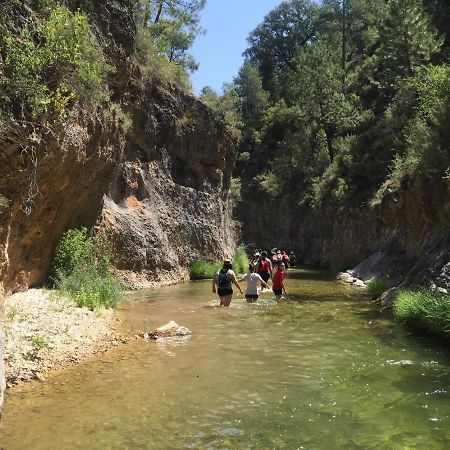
pixel 260 271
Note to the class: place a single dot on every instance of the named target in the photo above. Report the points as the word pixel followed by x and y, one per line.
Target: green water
pixel 324 370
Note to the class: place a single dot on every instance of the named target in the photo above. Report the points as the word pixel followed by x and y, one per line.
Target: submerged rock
pixel 170 329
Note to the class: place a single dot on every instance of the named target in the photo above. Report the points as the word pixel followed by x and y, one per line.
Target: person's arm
pixel 235 281
pixel 282 286
pixel 214 284
pixel 243 278
pixel 263 283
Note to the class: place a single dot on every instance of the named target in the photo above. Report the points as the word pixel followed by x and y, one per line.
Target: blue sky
pixel 219 51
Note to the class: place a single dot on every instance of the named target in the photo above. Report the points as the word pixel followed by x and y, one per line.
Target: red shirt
pixel 278 277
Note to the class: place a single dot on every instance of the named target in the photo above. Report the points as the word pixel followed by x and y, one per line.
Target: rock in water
pixel 170 329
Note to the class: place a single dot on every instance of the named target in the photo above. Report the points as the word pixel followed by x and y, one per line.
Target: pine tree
pixel 407 41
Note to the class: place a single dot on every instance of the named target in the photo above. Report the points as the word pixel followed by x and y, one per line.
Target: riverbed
pixel 322 370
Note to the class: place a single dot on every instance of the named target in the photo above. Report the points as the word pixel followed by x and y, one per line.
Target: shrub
pixel 201 270
pixel 48 69
pixel 80 270
pixel 424 309
pixel 240 261
pixel 376 287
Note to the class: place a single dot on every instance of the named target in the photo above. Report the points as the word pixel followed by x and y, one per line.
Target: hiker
pixel 292 259
pixel 224 279
pixel 251 293
pixel 285 259
pixel 255 259
pixel 264 267
pixel 277 282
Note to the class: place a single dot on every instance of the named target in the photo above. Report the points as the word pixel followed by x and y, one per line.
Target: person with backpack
pixel 251 293
pixel 264 268
pixel 224 280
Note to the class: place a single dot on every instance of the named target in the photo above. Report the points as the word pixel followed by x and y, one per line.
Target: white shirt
pixel 252 282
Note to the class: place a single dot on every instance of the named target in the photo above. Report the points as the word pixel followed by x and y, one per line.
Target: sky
pixel 219 51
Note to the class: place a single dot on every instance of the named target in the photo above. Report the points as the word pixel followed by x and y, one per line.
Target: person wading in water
pixel 224 280
pixel 251 293
pixel 264 267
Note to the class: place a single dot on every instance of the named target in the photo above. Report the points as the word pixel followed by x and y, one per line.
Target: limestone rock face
pixel 168 202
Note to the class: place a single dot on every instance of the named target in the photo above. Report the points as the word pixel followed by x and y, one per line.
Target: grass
pixel 376 287
pixel 12 312
pixel 424 309
pixel 240 261
pixel 39 342
pixel 90 289
pixel 203 270
pixel 81 270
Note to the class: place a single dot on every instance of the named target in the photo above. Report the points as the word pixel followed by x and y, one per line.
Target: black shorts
pixel 277 291
pixel 252 296
pixel 221 292
pixel 264 275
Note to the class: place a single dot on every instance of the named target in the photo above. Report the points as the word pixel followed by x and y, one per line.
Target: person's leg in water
pixel 225 300
pixel 277 293
pixel 251 298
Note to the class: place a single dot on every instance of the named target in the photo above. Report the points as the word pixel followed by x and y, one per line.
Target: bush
pixel 48 69
pixel 376 287
pixel 424 309
pixel 202 270
pixel 240 261
pixel 80 270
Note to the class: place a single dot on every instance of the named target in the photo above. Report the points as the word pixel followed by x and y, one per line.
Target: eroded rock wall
pixel 169 203
pixel 405 239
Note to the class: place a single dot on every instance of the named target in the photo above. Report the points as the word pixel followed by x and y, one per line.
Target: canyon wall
pixel 158 188
pixel 405 239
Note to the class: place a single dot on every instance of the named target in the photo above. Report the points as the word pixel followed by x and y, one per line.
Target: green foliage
pixel 375 286
pixel 235 189
pixel 12 312
pixel 156 67
pixel 80 270
pixel 201 270
pixel 424 309
pixel 240 261
pixel 91 288
pixel 171 26
pixel 39 342
pixel 226 107
pixel 49 69
pixel 407 41
pixel 336 111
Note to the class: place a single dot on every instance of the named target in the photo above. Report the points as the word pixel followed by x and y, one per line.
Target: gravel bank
pixel 45 332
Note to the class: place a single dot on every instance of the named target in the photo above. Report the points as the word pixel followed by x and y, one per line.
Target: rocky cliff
pixel 168 202
pixel 159 188
pixel 404 240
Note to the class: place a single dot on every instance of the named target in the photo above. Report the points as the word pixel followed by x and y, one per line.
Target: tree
pixel 174 25
pixel 274 43
pixel 407 41
pixel 253 99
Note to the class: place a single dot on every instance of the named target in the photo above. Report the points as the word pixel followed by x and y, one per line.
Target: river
pixel 323 370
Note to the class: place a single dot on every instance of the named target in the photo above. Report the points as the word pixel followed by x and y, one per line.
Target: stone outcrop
pixel 168 202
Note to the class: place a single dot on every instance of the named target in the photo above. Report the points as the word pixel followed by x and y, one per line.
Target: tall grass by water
pixel 203 270
pixel 424 309
pixel 376 287
pixel 81 270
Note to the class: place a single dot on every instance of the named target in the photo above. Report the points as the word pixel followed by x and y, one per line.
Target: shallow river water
pixel 323 370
